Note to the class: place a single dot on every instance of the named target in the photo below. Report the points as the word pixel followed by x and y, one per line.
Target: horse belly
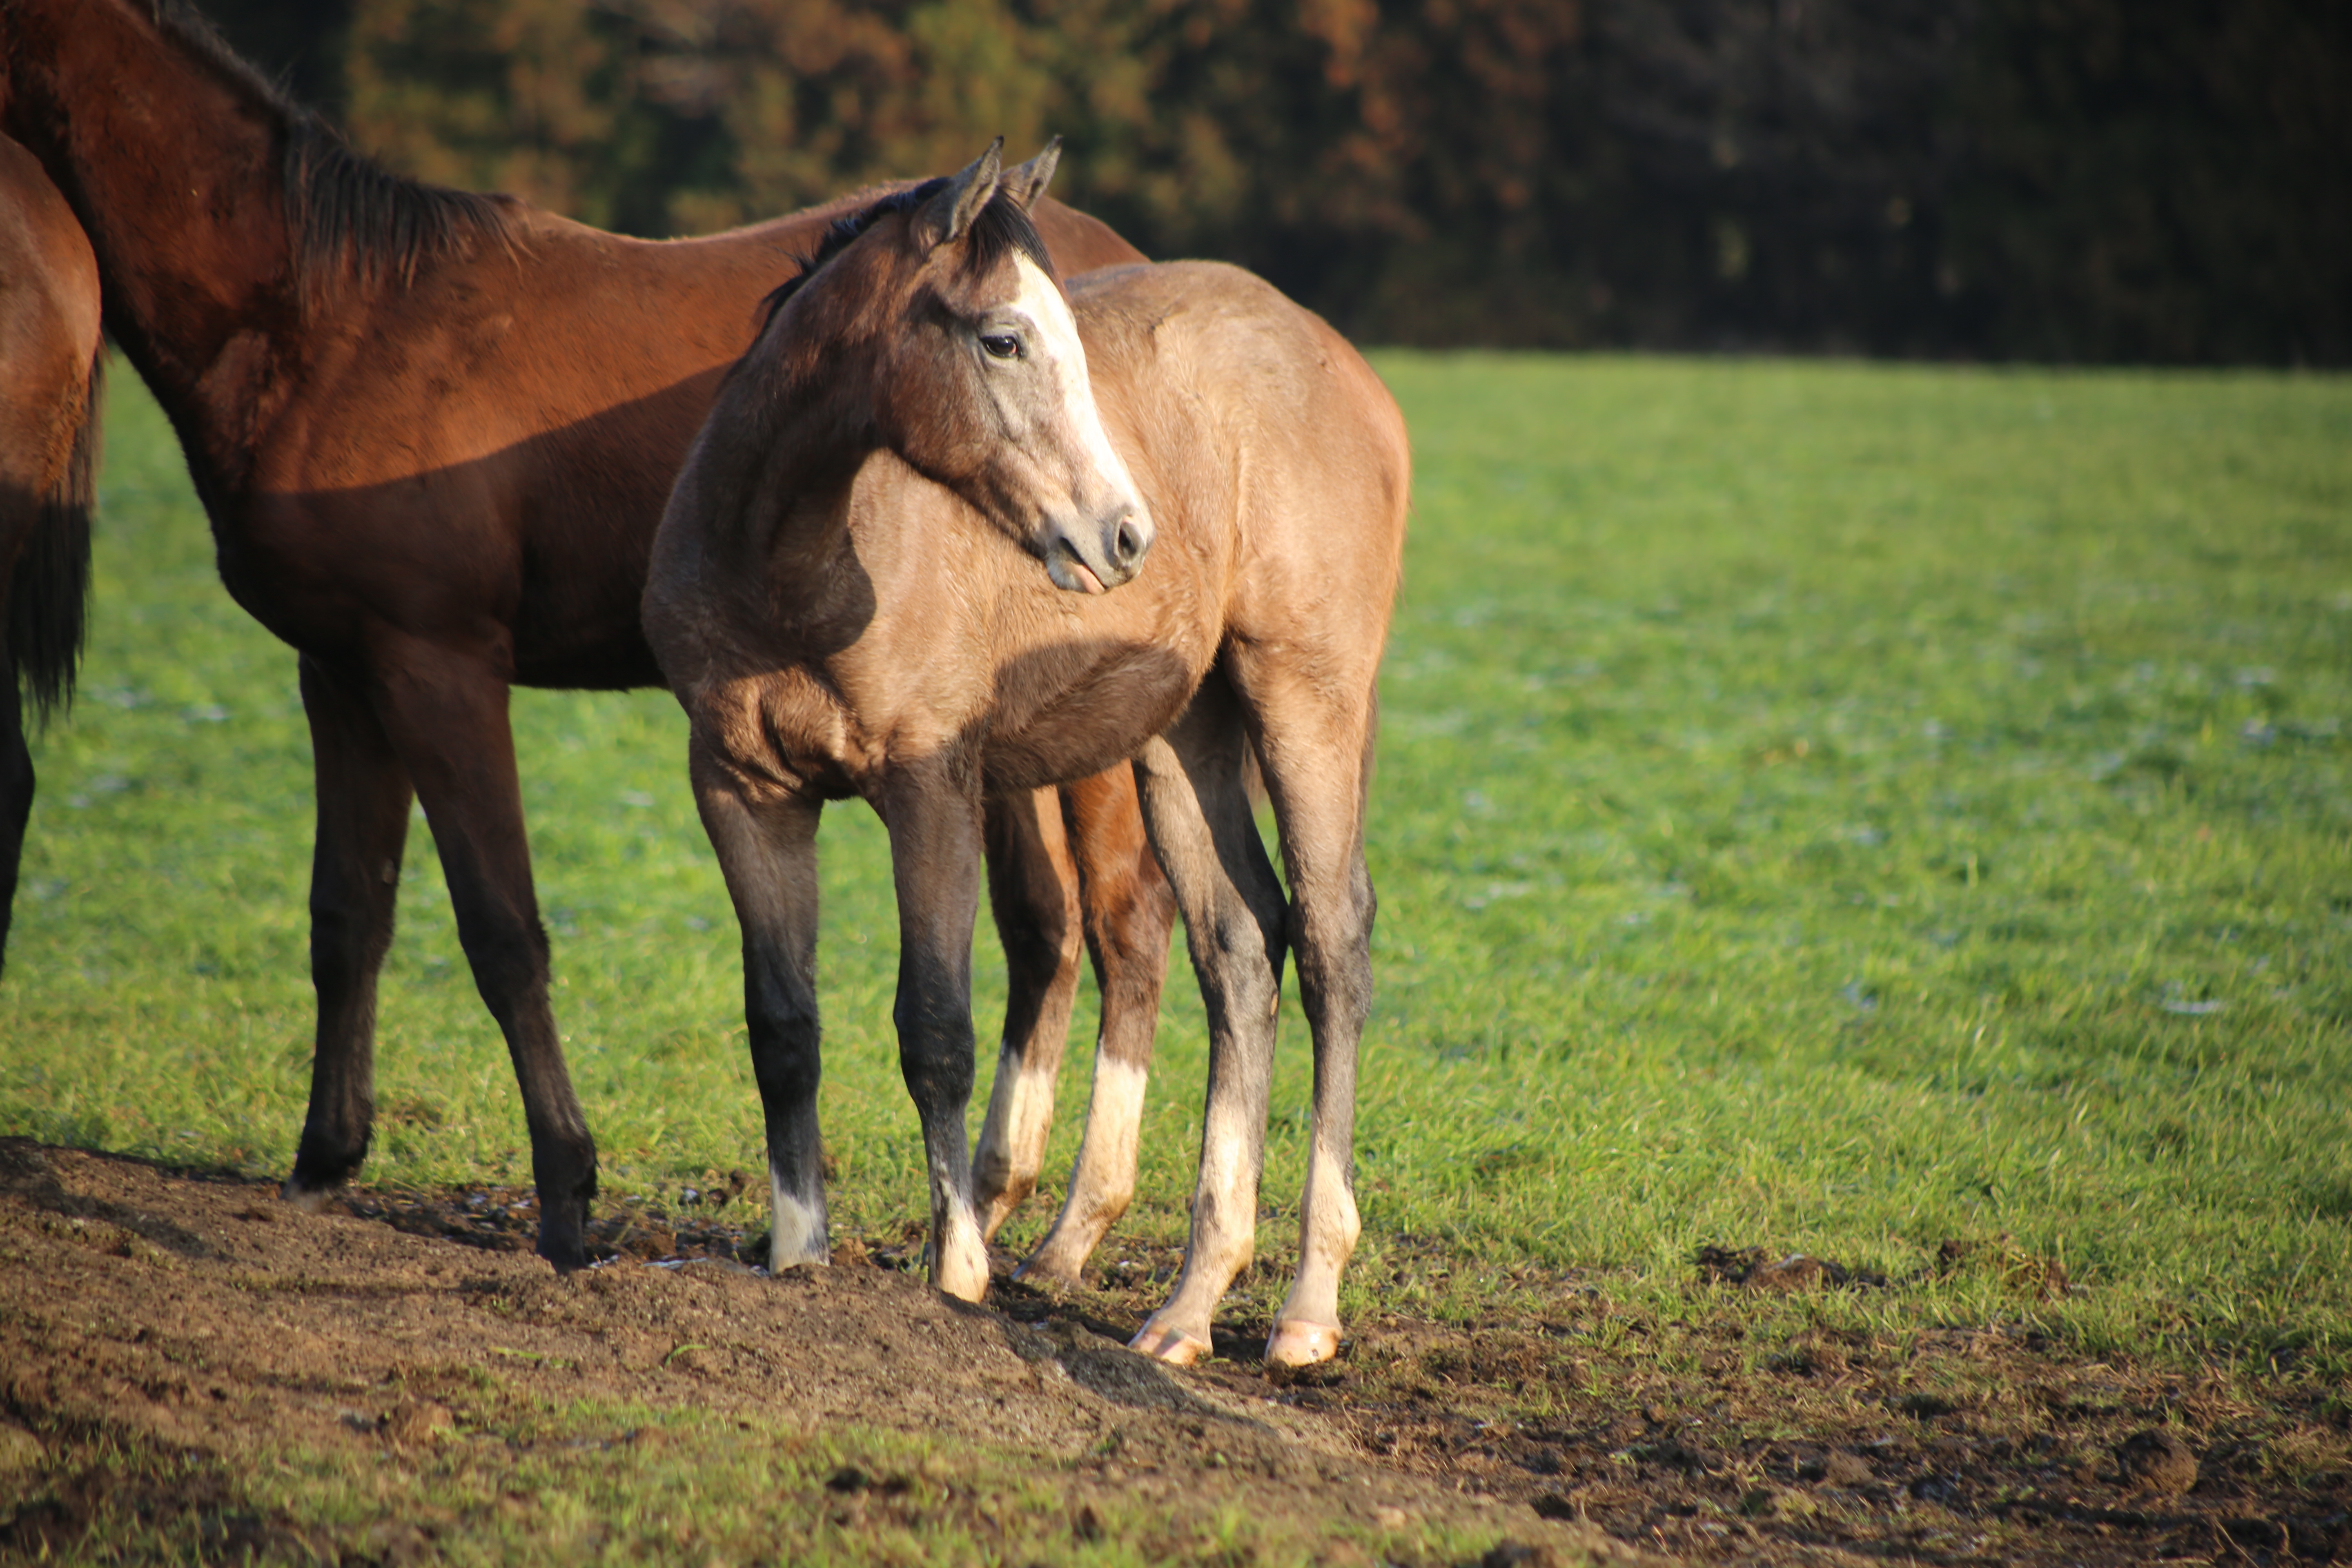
pixel 1091 726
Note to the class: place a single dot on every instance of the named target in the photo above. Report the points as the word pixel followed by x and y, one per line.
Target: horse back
pixel 1249 421
pixel 510 423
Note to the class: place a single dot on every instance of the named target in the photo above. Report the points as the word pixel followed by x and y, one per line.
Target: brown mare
pixel 434 432
pixel 50 360
pixel 846 594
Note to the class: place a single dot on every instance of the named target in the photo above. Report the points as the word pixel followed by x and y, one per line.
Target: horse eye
pixel 1002 345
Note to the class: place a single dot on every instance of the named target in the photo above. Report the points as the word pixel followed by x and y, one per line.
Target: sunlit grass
pixel 526 1482
pixel 1830 807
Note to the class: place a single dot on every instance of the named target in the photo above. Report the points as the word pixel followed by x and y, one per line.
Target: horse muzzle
pixel 1095 557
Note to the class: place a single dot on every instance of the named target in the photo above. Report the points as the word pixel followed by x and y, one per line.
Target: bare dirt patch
pixel 202 1318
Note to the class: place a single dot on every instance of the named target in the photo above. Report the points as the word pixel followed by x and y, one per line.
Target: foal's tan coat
pixel 835 622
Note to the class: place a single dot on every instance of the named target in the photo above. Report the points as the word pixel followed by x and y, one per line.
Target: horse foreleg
pixel 363 829
pixel 1130 912
pixel 935 861
pixel 1033 889
pixel 446 715
pixel 765 839
pixel 1198 812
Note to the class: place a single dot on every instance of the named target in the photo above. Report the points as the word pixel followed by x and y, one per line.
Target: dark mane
pixel 348 214
pixel 1003 227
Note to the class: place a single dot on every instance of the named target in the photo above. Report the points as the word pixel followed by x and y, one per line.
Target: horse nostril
pixel 1130 542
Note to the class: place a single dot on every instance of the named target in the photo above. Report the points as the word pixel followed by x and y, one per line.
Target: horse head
pixel 980 381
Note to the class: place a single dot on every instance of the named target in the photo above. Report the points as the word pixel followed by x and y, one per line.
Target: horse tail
pixel 48 597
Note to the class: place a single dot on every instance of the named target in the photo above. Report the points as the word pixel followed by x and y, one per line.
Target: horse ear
pixel 945 216
pixel 1026 182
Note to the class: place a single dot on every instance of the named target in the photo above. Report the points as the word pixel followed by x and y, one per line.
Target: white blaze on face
pixel 1056 351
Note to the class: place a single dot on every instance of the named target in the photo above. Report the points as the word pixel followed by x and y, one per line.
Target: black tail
pixel 50 593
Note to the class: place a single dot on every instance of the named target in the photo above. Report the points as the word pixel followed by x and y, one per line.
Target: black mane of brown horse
pixel 432 431
pixel 348 213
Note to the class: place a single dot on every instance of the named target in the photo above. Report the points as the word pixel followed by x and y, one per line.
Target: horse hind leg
pixel 1191 784
pixel 1033 889
pixel 1129 911
pixel 1317 766
pixel 362 830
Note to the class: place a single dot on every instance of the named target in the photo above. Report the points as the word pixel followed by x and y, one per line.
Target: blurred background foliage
pixel 2149 180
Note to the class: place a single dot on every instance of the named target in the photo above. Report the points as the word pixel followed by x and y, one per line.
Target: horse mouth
pixel 1071 573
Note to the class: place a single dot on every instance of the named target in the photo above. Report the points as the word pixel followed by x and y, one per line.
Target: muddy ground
pixel 197 1315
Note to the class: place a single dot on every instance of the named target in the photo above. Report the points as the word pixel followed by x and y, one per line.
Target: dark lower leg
pixel 497 924
pixel 935 859
pixel 766 844
pixel 446 717
pixel 787 1065
pixel 362 830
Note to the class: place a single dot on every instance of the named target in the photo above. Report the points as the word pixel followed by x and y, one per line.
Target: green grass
pixel 589 1482
pixel 1830 807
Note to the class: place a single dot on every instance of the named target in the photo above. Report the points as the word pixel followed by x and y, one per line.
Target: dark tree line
pixel 2079 180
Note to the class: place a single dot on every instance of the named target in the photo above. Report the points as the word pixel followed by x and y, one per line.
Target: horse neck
pixel 791 433
pixel 172 164
pixel 791 485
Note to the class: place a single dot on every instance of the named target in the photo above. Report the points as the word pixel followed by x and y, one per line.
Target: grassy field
pixel 1825 807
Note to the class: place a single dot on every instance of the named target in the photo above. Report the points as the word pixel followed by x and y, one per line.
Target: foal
pixel 846 597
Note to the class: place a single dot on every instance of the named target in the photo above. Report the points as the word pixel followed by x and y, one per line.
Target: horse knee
pixel 347 942
pixel 1241 965
pixel 508 957
pixel 786 1064
pixel 936 1059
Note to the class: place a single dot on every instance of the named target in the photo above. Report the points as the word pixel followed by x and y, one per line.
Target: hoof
pixel 565 1255
pixel 1045 1274
pixel 962 1273
pixel 965 1290
pixel 301 1194
pixel 563 1238
pixel 1172 1346
pixel 779 1262
pixel 1298 1342
pixel 565 1187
